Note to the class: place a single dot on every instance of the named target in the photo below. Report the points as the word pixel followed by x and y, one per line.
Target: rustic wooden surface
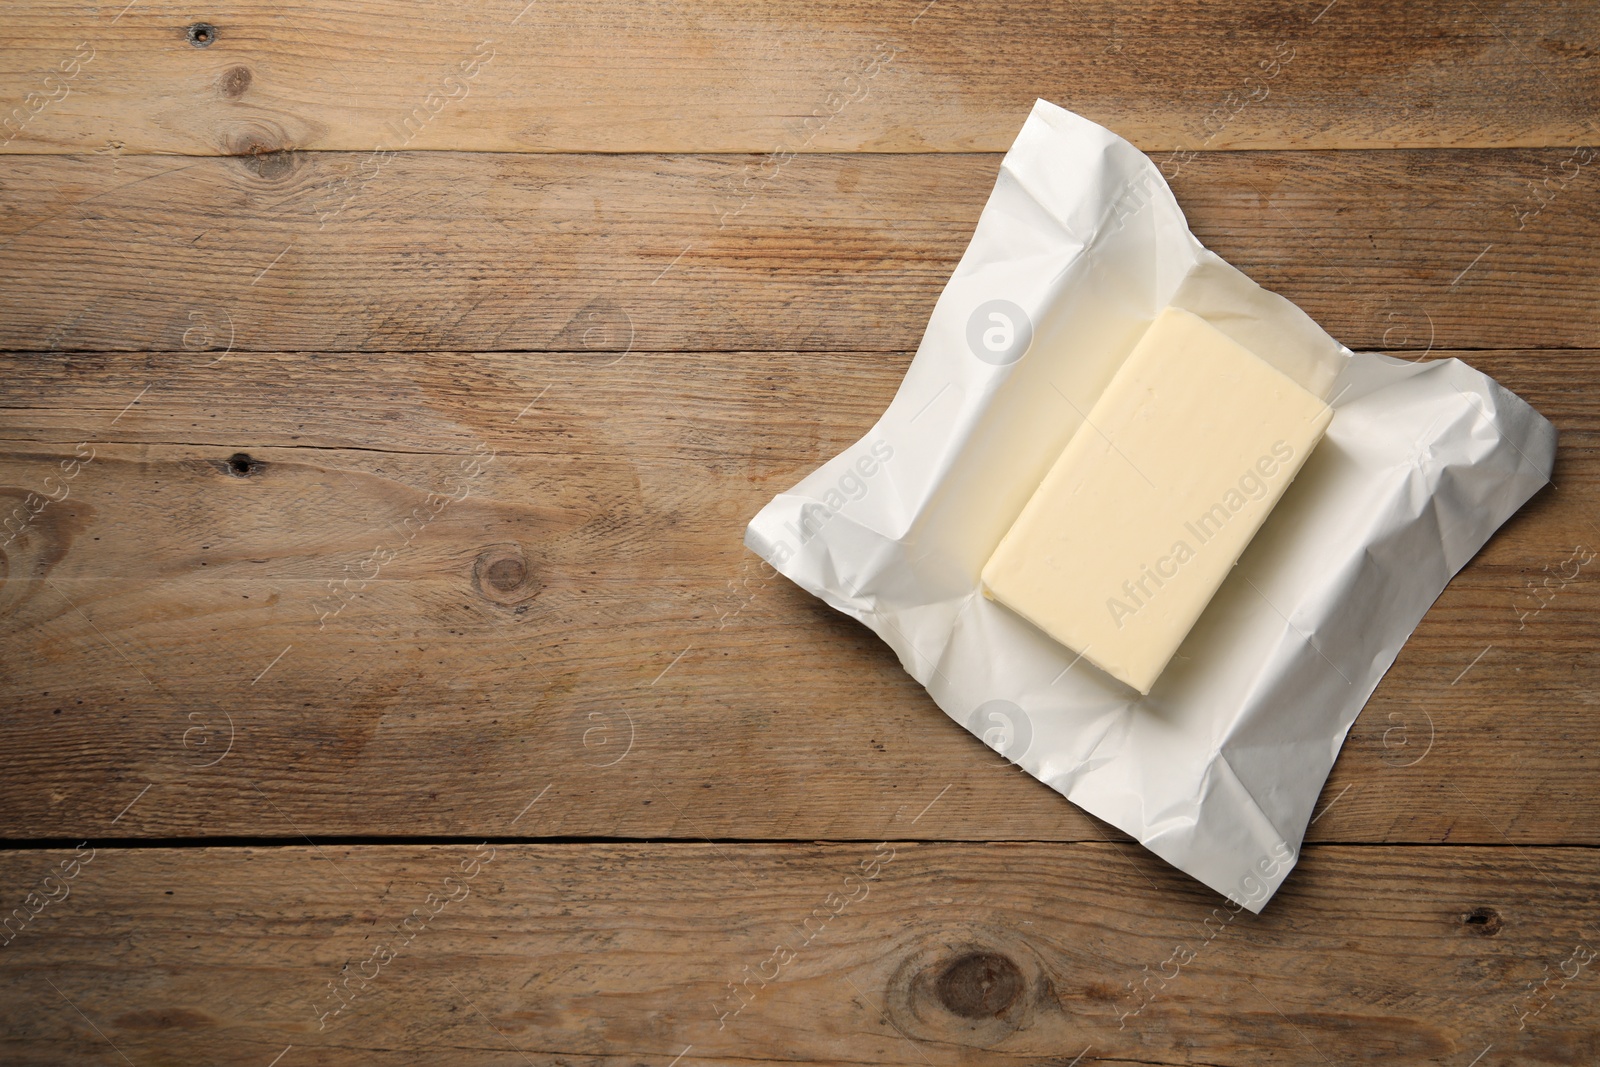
pixel 303 251
pixel 727 76
pixel 275 345
pixel 895 952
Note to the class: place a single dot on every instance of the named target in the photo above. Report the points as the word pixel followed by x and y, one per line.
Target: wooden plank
pixel 495 252
pixel 893 953
pixel 722 76
pixel 591 591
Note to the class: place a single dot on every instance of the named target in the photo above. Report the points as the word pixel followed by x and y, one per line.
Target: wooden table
pixel 385 682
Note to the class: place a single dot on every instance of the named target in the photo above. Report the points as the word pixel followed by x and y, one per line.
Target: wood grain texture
pixel 398 500
pixel 892 953
pixel 434 251
pixel 586 618
pixel 726 76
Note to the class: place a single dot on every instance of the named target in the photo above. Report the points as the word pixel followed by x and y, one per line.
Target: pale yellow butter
pixel 1155 497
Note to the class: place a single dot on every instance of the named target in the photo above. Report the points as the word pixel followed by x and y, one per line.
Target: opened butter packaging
pixel 1145 527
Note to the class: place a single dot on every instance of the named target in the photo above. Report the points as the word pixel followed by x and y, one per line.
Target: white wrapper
pixel 1217 770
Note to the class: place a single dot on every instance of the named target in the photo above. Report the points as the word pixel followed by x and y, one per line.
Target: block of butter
pixel 1155 497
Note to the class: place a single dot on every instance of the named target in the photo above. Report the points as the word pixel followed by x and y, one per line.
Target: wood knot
pixel 240 465
pixel 201 34
pixel 973 989
pixel 979 985
pixel 503 576
pixel 261 146
pixel 1485 922
pixel 234 82
pixel 270 165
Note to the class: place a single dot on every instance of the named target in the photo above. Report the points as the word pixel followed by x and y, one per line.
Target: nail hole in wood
pixel 201 34
pixel 1485 922
pixel 240 465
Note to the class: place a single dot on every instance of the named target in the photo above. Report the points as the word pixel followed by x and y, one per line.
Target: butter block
pixel 1155 497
